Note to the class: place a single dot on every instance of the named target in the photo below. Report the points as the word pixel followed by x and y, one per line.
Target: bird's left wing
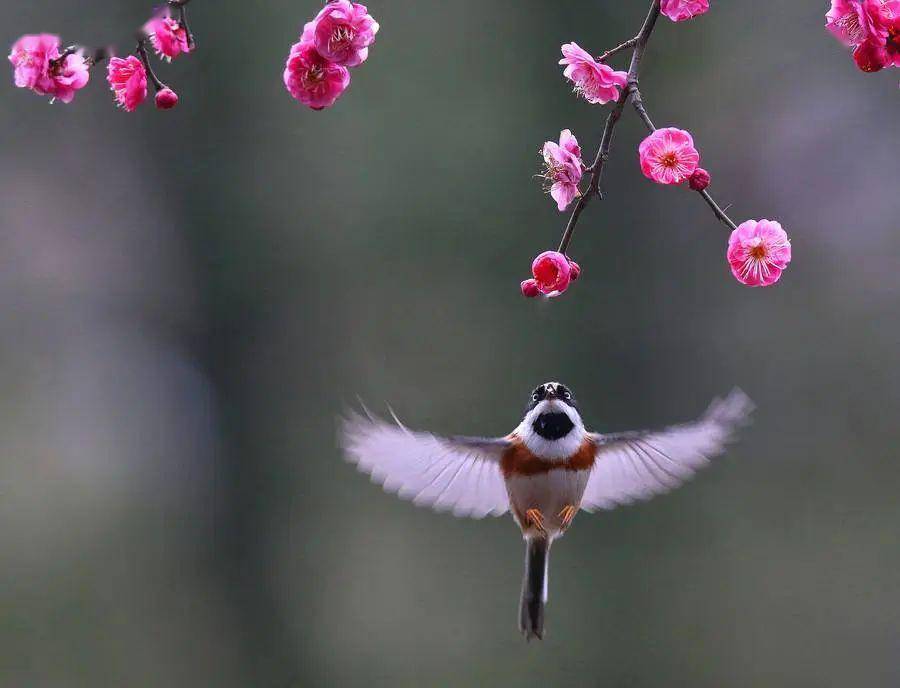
pixel 458 474
pixel 638 465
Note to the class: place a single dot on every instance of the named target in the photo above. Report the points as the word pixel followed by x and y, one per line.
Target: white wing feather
pixel 636 466
pixel 455 474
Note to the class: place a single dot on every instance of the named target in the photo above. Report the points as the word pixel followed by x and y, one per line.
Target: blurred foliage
pixel 191 298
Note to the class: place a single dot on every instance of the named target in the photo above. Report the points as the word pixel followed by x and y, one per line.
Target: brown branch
pixel 596 169
pixel 145 58
pixel 637 101
pixel 619 48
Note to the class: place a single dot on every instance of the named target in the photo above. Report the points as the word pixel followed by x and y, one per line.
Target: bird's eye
pixel 567 395
pixel 534 397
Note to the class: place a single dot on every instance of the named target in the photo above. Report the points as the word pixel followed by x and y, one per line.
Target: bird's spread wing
pixel 638 465
pixel 458 474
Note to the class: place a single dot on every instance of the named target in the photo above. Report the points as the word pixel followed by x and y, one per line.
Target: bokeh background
pixel 191 298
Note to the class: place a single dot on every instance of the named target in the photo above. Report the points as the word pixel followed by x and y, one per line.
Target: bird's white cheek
pixel 552 450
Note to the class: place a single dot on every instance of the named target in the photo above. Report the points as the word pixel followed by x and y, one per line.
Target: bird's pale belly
pixel 550 493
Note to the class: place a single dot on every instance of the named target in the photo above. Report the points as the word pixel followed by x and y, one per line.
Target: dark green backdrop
pixel 190 298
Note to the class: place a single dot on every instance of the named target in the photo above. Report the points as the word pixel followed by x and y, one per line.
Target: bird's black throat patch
pixel 552 426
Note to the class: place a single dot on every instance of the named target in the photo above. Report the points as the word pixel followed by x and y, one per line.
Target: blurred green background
pixel 191 298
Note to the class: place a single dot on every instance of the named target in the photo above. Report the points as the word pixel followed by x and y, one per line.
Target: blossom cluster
pixel 317 69
pixel 128 76
pixel 40 65
pixel 758 250
pixel 553 272
pixel 871 28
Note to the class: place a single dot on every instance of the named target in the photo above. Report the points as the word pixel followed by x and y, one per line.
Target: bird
pixel 544 472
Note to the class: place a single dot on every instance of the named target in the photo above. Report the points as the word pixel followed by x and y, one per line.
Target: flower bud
pixel 166 99
pixel 870 56
pixel 699 180
pixel 530 288
pixel 574 270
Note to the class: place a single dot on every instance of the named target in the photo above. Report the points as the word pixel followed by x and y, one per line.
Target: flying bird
pixel 544 471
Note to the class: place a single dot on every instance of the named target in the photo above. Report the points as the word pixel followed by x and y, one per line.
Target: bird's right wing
pixel 638 465
pixel 458 474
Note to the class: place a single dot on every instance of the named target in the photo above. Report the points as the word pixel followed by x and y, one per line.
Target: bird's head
pixel 552 426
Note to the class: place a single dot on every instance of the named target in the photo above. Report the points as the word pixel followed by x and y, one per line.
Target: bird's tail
pixel 534 587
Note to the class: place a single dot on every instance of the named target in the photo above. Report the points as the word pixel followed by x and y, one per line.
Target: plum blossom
pixel 342 32
pixel 563 168
pixel 596 82
pixel 871 28
pixel 552 273
pixel 679 10
pixel 668 156
pixel 39 66
pixel 128 80
pixel 311 79
pixel 168 37
pixel 893 40
pixel 758 252
pixel 853 22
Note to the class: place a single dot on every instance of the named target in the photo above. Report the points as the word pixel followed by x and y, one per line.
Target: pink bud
pixel 699 180
pixel 870 56
pixel 552 272
pixel 166 99
pixel 529 288
pixel 574 270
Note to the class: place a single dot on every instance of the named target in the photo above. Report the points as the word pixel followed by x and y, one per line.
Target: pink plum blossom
pixel 563 168
pixel 668 156
pixel 166 99
pixel 529 288
pixel 342 32
pixel 893 40
pixel 68 75
pixel 39 66
pixel 30 57
pixel 311 79
pixel 597 82
pixel 871 27
pixel 855 21
pixel 128 80
pixel 758 252
pixel 168 37
pixel 552 273
pixel 679 10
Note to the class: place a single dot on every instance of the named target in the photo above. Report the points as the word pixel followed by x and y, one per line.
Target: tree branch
pixel 639 43
pixel 619 48
pixel 637 101
pixel 145 58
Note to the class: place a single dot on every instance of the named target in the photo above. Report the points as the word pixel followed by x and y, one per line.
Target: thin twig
pixel 638 101
pixel 145 58
pixel 719 213
pixel 619 48
pixel 596 169
pixel 183 20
